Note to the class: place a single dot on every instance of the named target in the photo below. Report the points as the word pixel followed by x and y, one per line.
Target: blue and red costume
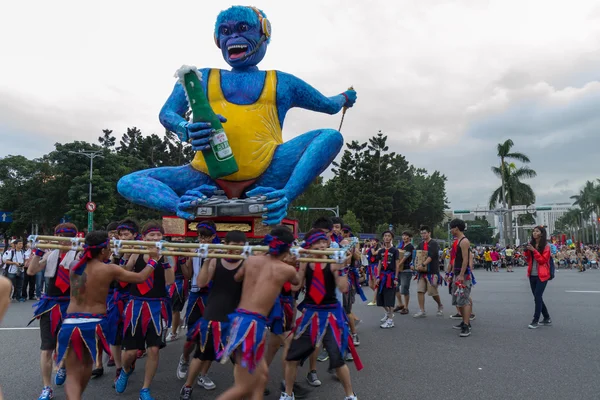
pixel 317 318
pixel 247 337
pixel 81 332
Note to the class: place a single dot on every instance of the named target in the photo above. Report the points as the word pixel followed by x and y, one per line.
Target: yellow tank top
pixel 253 130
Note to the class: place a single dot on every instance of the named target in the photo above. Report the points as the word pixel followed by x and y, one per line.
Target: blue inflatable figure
pixel 253 105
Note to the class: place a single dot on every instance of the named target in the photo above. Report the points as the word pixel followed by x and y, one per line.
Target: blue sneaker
pixel 47 394
pixel 121 383
pixel 60 377
pixel 145 395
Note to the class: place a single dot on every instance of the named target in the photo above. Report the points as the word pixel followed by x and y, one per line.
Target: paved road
pixel 418 359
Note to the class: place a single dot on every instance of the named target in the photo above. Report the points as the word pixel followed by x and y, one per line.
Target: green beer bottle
pixel 219 158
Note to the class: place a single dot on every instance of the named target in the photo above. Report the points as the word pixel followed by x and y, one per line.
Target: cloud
pixel 445 80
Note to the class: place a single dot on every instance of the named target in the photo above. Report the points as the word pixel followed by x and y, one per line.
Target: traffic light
pixel 301 208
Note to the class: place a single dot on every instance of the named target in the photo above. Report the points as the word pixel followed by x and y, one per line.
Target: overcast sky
pixel 445 80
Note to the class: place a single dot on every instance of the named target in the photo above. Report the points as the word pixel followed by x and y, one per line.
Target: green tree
pixel 504 152
pixel 479 231
pixel 380 187
pixel 351 220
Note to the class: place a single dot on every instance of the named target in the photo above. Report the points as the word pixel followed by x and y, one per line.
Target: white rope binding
pixel 116 246
pixel 203 250
pixel 247 250
pixel 339 256
pixel 295 252
pixel 34 241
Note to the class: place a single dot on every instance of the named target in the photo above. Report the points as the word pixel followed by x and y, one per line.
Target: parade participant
pixel 178 292
pixel 146 313
pixel 336 233
pixel 113 233
pixel 372 272
pixel 428 273
pixel 404 273
pixel 53 305
pixel 85 324
pixel 263 278
pixel 322 320
pixel 538 271
pixel 282 321
pixel 462 281
pixel 349 296
pixel 211 331
pixel 198 299
pixel 118 297
pixel 387 282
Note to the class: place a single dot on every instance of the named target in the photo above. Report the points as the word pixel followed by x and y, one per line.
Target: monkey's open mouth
pixel 237 51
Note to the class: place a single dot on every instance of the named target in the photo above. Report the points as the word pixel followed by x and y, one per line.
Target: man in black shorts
pixel 322 319
pixel 53 305
pixel 146 314
pixel 389 261
pixel 211 332
pixel 197 301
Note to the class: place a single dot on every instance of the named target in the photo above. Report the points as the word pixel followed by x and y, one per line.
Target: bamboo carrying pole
pixel 187 253
pixel 171 245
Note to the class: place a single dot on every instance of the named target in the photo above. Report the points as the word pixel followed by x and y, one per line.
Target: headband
pixel 210 228
pixel 276 245
pixel 127 227
pixel 66 230
pixel 312 239
pixel 149 230
pixel 87 255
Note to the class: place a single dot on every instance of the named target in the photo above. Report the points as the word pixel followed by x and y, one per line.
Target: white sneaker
pixel 353 397
pixel 420 314
pixel 355 340
pixel 171 337
pixel 440 311
pixel 206 382
pixel 182 368
pixel 389 323
pixel 385 317
pixel 285 396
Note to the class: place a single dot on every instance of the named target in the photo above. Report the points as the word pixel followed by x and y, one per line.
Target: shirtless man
pixel 85 325
pixel 263 278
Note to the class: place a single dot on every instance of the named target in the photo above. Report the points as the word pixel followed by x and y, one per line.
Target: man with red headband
pixel 85 324
pixel 53 304
pixel 118 297
pixel 146 314
pixel 198 299
pixel 322 321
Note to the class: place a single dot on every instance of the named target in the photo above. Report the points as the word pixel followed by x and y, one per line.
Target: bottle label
pixel 220 146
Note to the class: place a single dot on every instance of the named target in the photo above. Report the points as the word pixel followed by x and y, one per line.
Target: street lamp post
pixel 91 155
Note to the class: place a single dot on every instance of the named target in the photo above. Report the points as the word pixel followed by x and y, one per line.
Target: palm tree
pixel 513 191
pixel 504 153
pixel 588 201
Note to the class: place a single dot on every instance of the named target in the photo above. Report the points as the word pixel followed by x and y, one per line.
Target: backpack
pixel 552 268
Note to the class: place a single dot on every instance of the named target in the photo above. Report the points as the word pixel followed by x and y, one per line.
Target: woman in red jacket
pixel 538 260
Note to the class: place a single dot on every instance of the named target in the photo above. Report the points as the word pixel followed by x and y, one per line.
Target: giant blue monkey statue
pixel 253 105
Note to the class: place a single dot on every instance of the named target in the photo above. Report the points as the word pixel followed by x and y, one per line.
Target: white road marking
pixel 20 329
pixel 582 291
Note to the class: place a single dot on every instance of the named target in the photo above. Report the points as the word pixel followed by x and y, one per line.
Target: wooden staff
pixel 344 113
